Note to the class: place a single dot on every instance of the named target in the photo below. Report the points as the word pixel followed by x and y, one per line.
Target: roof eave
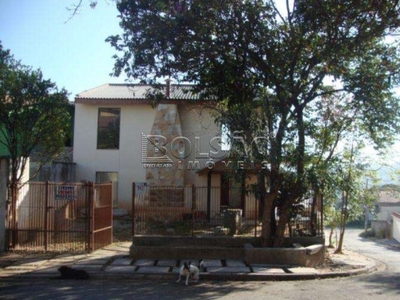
pixel 124 101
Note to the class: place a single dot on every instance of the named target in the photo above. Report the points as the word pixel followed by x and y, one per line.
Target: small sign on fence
pixel 66 192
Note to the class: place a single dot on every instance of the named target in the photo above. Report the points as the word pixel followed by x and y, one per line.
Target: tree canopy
pixel 311 69
pixel 34 114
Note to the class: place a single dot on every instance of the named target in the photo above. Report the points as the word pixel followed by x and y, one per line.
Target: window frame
pixel 101 143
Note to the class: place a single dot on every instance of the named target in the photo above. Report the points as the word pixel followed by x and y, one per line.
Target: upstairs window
pixel 108 128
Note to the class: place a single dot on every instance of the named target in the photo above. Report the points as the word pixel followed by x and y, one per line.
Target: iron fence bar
pixel 321 227
pixel 46 215
pixel 133 208
pixel 193 190
pixel 255 216
pixel 208 196
pixel 110 199
pixel 90 187
pixel 102 229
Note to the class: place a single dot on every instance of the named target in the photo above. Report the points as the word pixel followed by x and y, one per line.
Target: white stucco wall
pixel 396 226
pixel 135 119
pixel 386 211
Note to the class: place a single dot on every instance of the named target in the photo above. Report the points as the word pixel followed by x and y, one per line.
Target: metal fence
pixel 192 211
pixel 197 211
pixel 72 217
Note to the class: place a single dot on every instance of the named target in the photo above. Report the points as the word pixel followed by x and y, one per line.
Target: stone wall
pixel 166 124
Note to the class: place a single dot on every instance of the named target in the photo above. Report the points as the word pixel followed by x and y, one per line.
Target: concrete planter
pixel 236 248
pixel 310 256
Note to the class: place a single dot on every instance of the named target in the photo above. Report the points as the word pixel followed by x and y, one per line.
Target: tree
pixel 75 7
pixel 34 115
pixel 332 217
pixel 286 62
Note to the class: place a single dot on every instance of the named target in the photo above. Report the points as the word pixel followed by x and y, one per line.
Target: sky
pixel 73 53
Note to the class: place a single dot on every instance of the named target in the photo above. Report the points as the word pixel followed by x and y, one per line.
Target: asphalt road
pixel 382 250
pixel 379 285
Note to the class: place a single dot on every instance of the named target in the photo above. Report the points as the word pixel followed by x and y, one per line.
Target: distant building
pixel 387 204
pixel 386 208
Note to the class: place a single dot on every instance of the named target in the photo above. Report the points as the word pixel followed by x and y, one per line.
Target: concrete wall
pixel 55 172
pixel 380 228
pixel 225 248
pixel 396 226
pixel 386 210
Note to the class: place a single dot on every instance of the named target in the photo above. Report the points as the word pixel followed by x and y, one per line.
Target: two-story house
pixel 123 136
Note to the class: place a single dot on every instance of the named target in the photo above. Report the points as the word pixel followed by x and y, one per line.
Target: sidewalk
pixel 113 262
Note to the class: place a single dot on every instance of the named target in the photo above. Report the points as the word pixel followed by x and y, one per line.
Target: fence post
pixel 208 196
pixel 110 197
pixel 193 207
pixel 133 208
pixel 256 216
pixel 14 223
pixel 321 227
pixel 90 188
pixel 46 217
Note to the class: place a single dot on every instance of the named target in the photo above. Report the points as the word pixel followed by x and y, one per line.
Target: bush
pixel 367 234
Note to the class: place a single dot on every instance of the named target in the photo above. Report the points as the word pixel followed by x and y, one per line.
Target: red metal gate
pixel 101 221
pixel 71 217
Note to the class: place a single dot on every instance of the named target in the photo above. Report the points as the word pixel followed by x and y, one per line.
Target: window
pixel 108 128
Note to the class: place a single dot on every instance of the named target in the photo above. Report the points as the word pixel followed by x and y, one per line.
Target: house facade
pixel 120 135
pixel 387 210
pixel 387 204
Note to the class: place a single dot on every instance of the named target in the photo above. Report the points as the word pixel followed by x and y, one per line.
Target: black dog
pixel 70 273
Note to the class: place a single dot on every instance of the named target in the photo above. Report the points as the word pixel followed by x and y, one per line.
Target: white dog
pixel 189 270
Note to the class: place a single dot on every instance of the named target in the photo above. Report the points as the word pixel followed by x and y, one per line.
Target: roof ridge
pixel 146 84
pixel 140 91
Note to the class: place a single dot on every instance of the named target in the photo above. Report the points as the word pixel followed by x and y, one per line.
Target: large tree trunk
pixel 284 217
pixel 313 219
pixel 12 216
pixel 266 234
pixel 272 223
pixel 262 194
pixel 330 238
pixel 343 221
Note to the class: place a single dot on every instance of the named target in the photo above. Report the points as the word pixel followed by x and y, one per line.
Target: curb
pixel 228 276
